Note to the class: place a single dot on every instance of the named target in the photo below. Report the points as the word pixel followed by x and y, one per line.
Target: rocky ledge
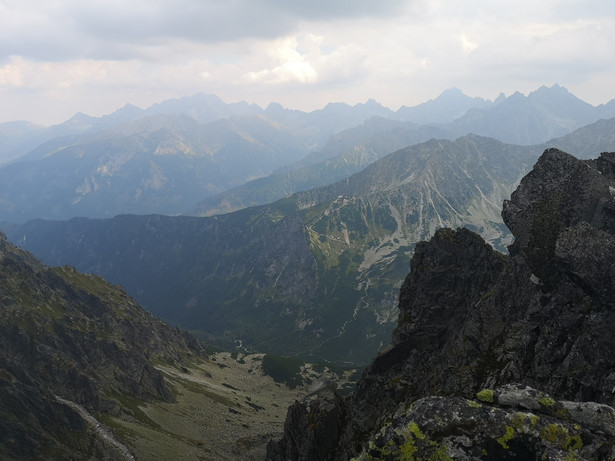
pixel 494 356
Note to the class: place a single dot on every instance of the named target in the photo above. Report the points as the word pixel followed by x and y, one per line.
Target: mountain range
pixel 170 157
pixel 365 144
pixel 315 274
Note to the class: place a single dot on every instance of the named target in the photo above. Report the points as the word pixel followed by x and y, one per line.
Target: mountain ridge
pixel 378 141
pixel 244 143
pixel 352 241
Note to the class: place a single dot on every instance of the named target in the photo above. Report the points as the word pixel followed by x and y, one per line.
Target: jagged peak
pixel 553 89
pixel 371 103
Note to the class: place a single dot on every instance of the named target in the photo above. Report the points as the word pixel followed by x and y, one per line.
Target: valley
pixel 225 407
pixel 85 371
pixel 316 274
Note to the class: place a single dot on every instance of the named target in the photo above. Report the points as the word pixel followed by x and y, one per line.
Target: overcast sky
pixel 58 57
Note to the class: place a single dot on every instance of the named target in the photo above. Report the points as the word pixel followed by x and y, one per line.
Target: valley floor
pixel 226 409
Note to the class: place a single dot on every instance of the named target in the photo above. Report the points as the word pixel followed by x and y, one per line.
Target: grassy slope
pixel 226 408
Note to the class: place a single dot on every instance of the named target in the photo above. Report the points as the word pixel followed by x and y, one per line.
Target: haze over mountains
pixel 170 157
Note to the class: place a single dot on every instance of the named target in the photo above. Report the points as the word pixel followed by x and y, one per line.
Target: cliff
pixel 494 356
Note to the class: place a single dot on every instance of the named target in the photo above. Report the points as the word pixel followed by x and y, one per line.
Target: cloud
pixel 527 52
pixel 11 75
pixel 99 54
pixel 291 65
pixel 114 29
pixel 305 60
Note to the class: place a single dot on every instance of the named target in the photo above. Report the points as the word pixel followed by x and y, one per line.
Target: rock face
pixel 70 337
pixel 501 357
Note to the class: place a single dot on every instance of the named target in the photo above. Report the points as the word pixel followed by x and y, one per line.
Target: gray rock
pixel 462 429
pixel 312 429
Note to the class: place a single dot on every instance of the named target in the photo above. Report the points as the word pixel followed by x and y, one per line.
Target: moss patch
pixel 503 441
pixel 486 395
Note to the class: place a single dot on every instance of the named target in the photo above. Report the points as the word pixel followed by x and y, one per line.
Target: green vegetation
pixel 416 430
pixel 285 370
pixel 405 444
pixel 503 441
pixel 559 435
pixel 134 405
pixel 546 401
pixel 486 395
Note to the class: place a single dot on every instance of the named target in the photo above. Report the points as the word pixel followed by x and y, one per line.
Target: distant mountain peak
pixel 80 116
pixel 451 104
pixel 127 110
pixel 275 107
pixel 452 91
pixel 336 104
pixel 501 97
pixel 371 102
pixel 554 89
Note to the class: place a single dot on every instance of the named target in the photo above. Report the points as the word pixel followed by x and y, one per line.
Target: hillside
pixel 364 145
pixel 157 164
pixel 316 274
pixel 493 356
pixel 71 341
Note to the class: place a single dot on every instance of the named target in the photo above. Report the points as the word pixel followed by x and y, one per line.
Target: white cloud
pixel 290 65
pixel 11 74
pixel 98 55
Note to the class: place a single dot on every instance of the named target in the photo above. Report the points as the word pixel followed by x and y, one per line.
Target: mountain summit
pixel 449 106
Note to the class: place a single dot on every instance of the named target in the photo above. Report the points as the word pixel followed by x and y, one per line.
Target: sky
pixel 60 57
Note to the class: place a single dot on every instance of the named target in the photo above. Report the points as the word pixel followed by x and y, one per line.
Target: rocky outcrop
pixel 559 195
pixel 67 336
pixel 511 422
pixel 311 428
pixel 474 322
